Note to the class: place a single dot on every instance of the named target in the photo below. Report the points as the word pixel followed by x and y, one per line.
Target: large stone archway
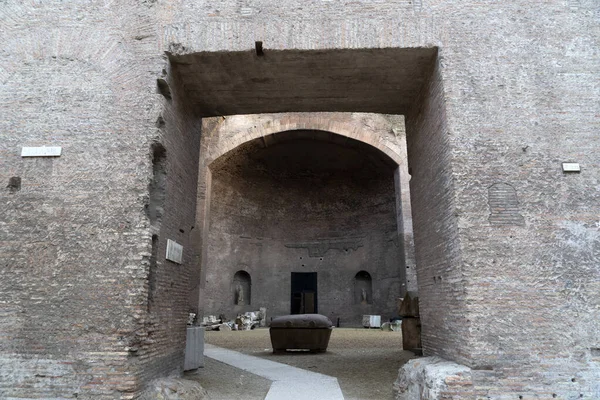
pixel 372 129
pixel 227 136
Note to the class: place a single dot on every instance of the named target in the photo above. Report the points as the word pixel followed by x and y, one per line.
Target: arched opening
pixel 305 203
pixel 242 285
pixel 363 288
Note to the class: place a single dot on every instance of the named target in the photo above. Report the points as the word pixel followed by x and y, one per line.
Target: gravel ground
pixel 224 382
pixel 365 361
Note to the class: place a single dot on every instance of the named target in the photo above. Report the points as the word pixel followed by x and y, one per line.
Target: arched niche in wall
pixel 363 288
pixel 242 284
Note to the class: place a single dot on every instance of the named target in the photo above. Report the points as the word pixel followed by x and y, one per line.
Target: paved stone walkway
pixel 288 382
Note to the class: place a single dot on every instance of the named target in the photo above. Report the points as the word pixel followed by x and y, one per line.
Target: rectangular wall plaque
pixel 174 251
pixel 41 151
pixel 571 167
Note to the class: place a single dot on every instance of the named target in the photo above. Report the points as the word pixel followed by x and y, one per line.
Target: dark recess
pixel 14 184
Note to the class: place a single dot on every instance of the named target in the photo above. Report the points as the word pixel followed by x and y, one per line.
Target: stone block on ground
pixel 300 331
pixel 176 389
pixel 224 327
pixel 411 334
pixel 411 323
pixel 371 321
pixel 433 378
pixel 263 317
pixel 194 348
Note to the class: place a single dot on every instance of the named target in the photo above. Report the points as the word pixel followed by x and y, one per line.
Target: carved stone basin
pixel 301 331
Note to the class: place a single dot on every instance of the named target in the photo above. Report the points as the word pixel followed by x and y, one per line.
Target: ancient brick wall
pixel 76 237
pixel 520 93
pixel 437 249
pixel 514 116
pixel 171 209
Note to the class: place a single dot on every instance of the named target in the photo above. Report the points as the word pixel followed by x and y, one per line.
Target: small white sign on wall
pixel 174 251
pixel 41 151
pixel 571 167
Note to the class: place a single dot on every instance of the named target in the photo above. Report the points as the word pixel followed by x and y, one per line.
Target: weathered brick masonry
pixel 511 92
pixel 437 243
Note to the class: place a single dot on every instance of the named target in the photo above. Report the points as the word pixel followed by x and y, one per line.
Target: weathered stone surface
pixel 411 334
pixel 371 321
pixel 433 378
pixel 409 307
pixel 302 321
pixel 302 331
pixel 175 389
pixel 194 348
pixel 411 323
pixel 395 326
pixel 263 317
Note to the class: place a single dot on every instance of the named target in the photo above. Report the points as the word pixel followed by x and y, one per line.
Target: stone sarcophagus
pixel 301 331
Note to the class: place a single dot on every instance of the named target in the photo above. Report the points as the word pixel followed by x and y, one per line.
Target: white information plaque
pixel 41 151
pixel 571 167
pixel 174 251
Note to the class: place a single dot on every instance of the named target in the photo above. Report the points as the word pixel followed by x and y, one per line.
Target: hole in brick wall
pixel 163 88
pixel 573 380
pixel 14 184
pixel 554 395
pixel 158 185
pixel 152 271
pixel 182 231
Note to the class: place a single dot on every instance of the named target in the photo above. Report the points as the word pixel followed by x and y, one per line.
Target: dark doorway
pixel 304 293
